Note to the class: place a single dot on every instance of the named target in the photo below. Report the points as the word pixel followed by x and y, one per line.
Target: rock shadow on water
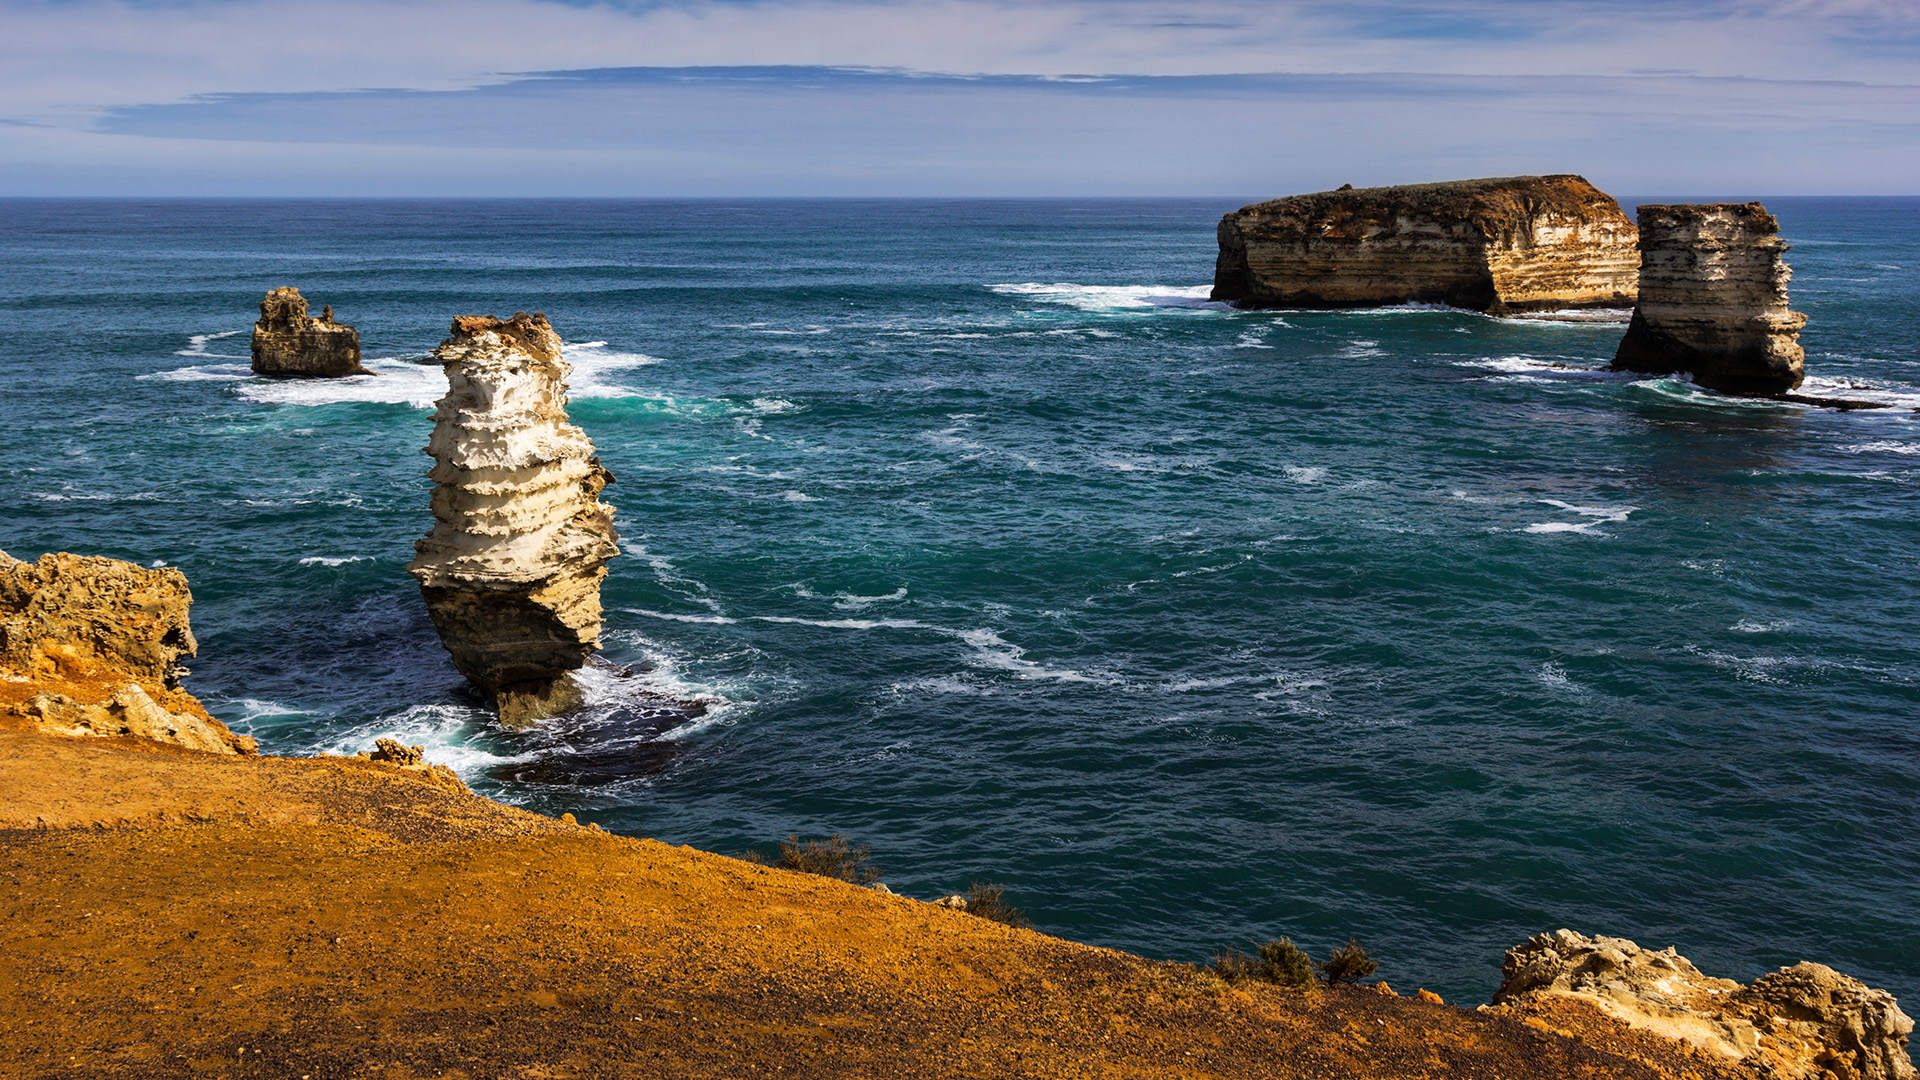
pixel 619 734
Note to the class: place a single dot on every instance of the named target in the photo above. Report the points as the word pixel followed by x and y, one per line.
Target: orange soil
pixel 169 913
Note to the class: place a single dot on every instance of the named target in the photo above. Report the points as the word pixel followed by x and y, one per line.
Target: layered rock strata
pixel 289 342
pixel 511 571
pixel 1805 1022
pixel 1500 245
pixel 1713 300
pixel 93 646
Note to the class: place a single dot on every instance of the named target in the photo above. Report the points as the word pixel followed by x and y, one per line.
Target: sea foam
pixel 396 380
pixel 1599 515
pixel 1113 298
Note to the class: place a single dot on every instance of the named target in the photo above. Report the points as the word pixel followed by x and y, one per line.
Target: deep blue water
pixel 1007 554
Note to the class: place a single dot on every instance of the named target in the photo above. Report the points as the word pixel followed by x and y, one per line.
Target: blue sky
pixel 953 97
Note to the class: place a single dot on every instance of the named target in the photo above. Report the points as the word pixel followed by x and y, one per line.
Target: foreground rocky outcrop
pixel 93 646
pixel 176 914
pixel 511 571
pixel 1713 300
pixel 289 342
pixel 1517 243
pixel 1804 1022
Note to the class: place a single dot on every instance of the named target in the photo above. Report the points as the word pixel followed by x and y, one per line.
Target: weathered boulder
pixel 1509 244
pixel 1713 300
pixel 92 646
pixel 511 571
pixel 1805 1022
pixel 289 342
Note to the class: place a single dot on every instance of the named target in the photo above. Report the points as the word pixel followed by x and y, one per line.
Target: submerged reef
pixel 1497 245
pixel 289 342
pixel 511 572
pixel 1713 300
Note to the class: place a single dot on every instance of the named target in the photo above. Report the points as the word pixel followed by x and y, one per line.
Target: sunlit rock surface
pixel 289 342
pixel 1508 244
pixel 1713 300
pixel 93 646
pixel 1805 1022
pixel 511 571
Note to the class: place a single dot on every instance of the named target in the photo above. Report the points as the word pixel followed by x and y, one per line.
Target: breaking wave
pixel 1114 298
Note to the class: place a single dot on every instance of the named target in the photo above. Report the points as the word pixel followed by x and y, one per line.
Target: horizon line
pixel 1684 196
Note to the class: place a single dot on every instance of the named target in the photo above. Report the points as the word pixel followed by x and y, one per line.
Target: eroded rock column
pixel 289 342
pixel 1713 300
pixel 511 572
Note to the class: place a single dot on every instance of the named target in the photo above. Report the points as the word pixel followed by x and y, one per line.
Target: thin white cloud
pixel 111 96
pixel 814 131
pixel 63 62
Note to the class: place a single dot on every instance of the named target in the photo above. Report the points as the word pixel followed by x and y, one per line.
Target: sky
pixel 729 98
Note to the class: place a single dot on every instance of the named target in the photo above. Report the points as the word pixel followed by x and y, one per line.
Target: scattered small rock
pixel 395 752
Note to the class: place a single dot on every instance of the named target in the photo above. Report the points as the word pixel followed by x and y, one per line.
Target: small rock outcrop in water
pixel 511 571
pixel 287 341
pixel 92 646
pixel 1805 1021
pixel 1499 245
pixel 1713 300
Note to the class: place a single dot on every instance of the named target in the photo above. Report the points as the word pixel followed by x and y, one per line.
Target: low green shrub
pixel 1348 964
pixel 834 857
pixel 1282 962
pixel 990 902
pixel 1277 961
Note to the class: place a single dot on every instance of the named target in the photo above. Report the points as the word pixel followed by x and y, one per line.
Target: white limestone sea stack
pixel 511 572
pixel 1713 300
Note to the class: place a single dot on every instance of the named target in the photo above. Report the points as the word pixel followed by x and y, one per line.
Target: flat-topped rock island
pixel 1500 245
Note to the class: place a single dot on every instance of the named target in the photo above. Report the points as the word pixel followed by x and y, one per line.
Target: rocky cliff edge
pixel 94 646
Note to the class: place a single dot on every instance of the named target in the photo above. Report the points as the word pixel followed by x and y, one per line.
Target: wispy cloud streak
pixel 849 96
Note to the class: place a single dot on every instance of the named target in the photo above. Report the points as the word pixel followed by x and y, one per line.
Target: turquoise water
pixel 998 548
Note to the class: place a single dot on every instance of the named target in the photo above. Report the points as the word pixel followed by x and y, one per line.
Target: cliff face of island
pixel 511 572
pixel 290 343
pixel 1713 300
pixel 92 646
pixel 1496 245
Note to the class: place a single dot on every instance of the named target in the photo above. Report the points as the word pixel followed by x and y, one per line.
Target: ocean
pixel 992 544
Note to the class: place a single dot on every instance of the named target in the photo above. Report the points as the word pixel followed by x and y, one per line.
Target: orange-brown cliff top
pixel 175 913
pixel 532 334
pixel 1493 204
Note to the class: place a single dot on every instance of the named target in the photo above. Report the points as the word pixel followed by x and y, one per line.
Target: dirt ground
pixel 171 913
